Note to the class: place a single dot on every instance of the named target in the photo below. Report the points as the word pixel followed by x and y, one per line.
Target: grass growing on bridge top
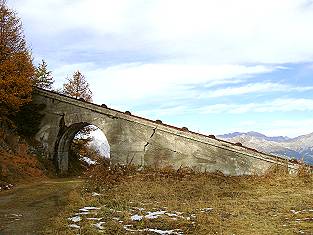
pixel 123 200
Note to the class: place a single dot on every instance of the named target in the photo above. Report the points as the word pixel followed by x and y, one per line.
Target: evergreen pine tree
pixel 43 77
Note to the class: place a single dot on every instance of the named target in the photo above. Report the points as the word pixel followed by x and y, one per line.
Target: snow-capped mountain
pixel 100 143
pixel 101 146
pixel 300 147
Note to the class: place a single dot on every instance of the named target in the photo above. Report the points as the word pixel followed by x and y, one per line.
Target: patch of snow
pixel 176 214
pixel 83 213
pixel 136 217
pixel 171 214
pixel 294 212
pixel 139 208
pixel 97 219
pixel 83 210
pixel 86 208
pixel 17 215
pixel 302 211
pixel 208 209
pixel 74 226
pixel 99 225
pixel 154 215
pixel 88 160
pixel 159 231
pixel 75 219
pixel 6 187
pixel 154 230
pixel 100 143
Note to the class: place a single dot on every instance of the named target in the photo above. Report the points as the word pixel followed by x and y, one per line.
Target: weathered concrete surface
pixel 141 141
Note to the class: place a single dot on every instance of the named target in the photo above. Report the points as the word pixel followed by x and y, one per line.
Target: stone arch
pixel 62 147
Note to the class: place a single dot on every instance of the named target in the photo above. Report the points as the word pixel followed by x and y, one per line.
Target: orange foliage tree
pixel 16 68
pixel 78 87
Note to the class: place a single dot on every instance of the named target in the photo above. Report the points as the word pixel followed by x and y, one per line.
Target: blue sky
pixel 213 66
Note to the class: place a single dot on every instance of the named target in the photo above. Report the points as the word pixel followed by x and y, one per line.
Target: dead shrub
pixel 305 172
pixel 103 174
pixel 276 171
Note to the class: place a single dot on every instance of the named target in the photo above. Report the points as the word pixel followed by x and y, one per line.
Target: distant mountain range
pixel 300 147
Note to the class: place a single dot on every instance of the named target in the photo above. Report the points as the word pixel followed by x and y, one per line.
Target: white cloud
pixel 133 82
pixel 100 16
pixel 277 105
pixel 162 112
pixel 293 123
pixel 127 83
pixel 223 32
pixel 290 128
pixel 237 31
pixel 254 88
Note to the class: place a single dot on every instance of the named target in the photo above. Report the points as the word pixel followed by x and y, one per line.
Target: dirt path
pixel 27 209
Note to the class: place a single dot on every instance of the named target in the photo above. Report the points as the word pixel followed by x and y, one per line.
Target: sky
pixel 213 66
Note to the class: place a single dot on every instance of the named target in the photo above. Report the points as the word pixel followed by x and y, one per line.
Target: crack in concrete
pixel 146 145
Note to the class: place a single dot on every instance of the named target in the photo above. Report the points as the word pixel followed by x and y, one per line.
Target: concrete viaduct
pixel 142 141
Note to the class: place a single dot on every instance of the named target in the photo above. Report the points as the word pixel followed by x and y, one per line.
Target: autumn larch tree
pixel 78 87
pixel 43 77
pixel 16 68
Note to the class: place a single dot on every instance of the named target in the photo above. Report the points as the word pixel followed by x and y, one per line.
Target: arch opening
pixel 80 146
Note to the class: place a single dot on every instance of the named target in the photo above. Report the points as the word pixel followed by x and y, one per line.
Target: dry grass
pixel 17 167
pixel 276 203
pixel 17 162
